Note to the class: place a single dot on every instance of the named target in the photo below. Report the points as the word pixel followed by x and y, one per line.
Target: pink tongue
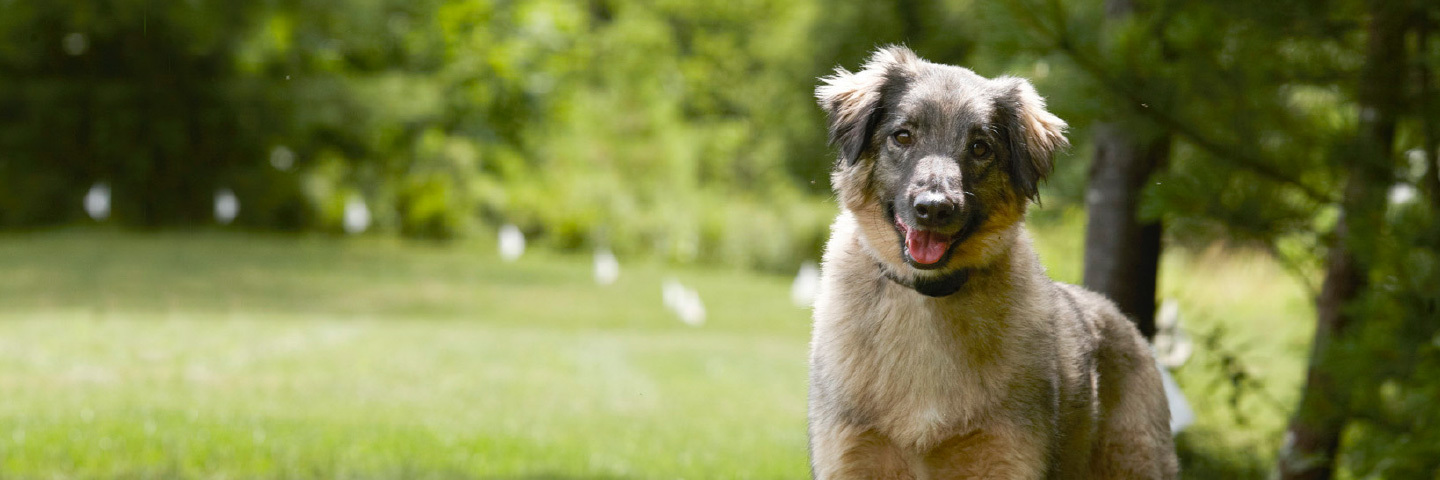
pixel 926 247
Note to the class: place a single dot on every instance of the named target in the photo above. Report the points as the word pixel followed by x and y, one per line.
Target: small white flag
pixel 1181 415
pixel 1172 345
pixel 684 301
pixel 227 206
pixel 607 268
pixel 357 215
pixel 97 201
pixel 806 285
pixel 512 243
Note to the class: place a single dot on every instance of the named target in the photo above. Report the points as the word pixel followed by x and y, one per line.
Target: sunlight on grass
pixel 202 395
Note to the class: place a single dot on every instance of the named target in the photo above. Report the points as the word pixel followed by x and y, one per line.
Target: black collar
pixel 932 287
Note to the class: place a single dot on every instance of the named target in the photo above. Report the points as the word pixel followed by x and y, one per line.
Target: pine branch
pixel 1235 155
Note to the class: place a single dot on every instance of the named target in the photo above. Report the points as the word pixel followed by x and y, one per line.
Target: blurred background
pixel 576 238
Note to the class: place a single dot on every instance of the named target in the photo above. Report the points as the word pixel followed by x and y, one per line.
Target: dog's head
pixel 936 162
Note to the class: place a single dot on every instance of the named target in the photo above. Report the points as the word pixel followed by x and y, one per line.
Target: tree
pixel 117 92
pixel 1266 152
pixel 1313 438
pixel 1122 250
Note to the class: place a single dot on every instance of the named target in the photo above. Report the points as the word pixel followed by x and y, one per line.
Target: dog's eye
pixel 903 137
pixel 979 149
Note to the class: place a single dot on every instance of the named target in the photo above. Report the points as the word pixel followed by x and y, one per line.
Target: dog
pixel 941 349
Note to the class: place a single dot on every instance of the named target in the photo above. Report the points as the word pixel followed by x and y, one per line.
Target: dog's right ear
pixel 852 101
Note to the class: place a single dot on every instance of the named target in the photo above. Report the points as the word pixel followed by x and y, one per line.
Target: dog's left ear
pixel 1034 134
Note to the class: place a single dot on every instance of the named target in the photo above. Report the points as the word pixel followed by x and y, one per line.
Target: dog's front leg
pixel 994 452
pixel 841 451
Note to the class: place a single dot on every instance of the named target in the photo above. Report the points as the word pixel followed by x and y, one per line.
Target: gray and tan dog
pixel 941 349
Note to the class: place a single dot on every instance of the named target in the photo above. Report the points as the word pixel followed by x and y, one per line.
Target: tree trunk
pixel 1429 111
pixel 1313 438
pixel 1122 254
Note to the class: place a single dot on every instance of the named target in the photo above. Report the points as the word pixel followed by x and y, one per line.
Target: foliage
pixel 1265 149
pixel 634 124
pixel 1393 433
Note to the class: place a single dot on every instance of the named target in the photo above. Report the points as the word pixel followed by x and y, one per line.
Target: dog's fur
pixel 995 371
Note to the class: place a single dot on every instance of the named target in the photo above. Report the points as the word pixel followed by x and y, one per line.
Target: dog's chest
pixel 914 373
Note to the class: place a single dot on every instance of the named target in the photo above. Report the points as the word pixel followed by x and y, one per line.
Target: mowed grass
pixel 235 355
pixel 206 355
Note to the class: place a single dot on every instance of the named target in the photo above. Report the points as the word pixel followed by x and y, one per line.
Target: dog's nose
pixel 933 209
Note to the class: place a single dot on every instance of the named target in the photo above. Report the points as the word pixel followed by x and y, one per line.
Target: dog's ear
pixel 852 101
pixel 1034 134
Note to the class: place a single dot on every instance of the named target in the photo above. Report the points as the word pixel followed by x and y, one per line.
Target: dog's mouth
pixel 925 249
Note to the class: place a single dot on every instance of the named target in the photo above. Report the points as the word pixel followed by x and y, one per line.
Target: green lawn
pixel 231 355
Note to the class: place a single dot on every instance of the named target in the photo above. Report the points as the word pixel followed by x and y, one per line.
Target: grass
pixel 234 355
